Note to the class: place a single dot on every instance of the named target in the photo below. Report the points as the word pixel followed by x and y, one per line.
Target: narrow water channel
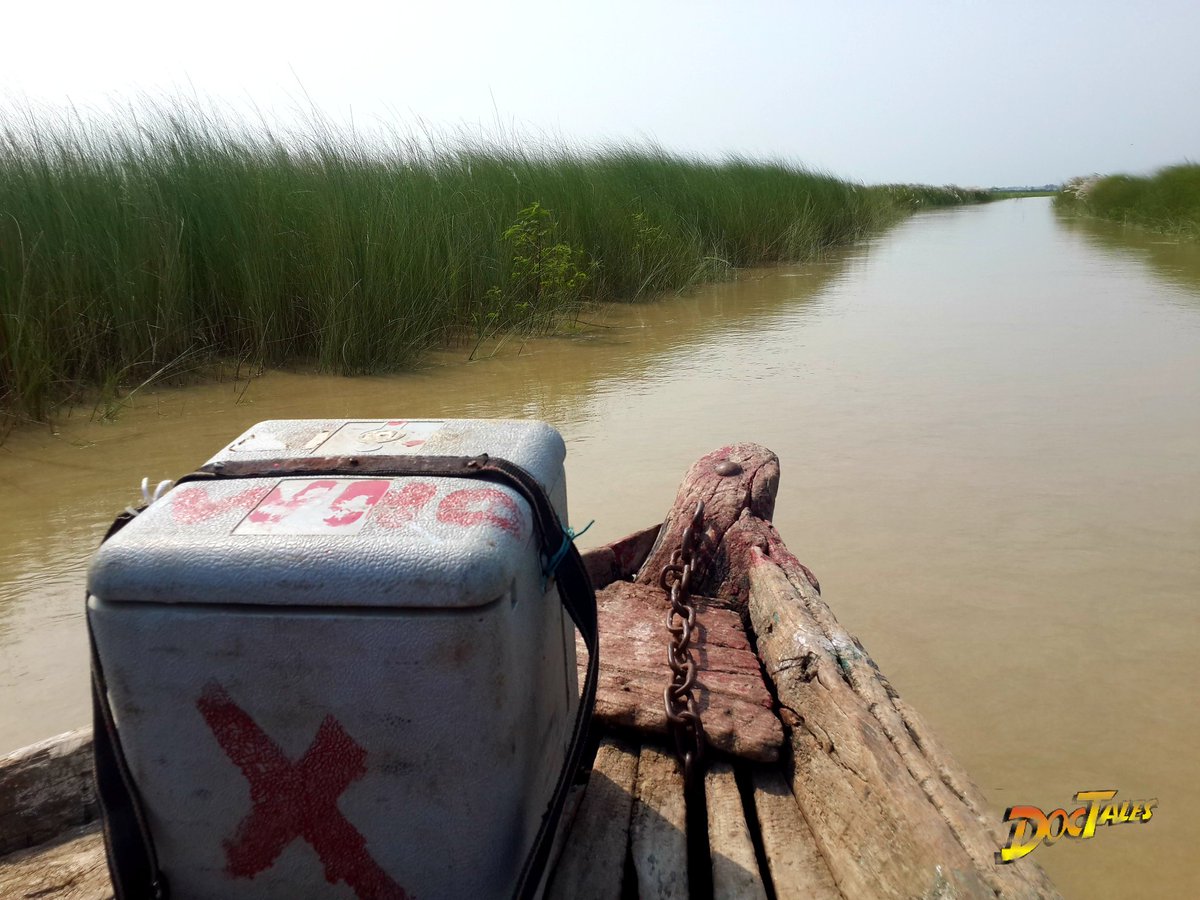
pixel 989 427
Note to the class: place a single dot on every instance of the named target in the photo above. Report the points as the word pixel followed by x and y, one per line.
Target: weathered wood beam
pixel 658 838
pixel 734 702
pixel 592 863
pixel 892 812
pixel 71 867
pixel 45 789
pixel 889 809
pixel 728 480
pixel 734 864
pixel 798 871
pixel 620 560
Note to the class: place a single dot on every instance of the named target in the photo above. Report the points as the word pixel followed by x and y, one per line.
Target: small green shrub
pixel 545 275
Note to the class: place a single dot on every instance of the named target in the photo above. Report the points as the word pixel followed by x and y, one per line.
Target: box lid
pixel 340 541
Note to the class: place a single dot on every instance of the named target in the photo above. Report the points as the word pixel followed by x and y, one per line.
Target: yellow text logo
pixel 1030 826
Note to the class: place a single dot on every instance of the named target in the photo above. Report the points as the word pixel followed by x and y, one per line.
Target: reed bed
pixel 1168 200
pixel 172 241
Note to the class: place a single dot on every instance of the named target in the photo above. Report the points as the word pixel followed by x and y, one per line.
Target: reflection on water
pixel 1173 259
pixel 989 425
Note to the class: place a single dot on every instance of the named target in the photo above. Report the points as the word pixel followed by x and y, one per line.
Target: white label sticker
pixel 258 442
pixel 395 437
pixel 315 506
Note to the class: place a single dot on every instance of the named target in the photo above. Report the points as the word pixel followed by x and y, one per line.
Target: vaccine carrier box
pixel 337 685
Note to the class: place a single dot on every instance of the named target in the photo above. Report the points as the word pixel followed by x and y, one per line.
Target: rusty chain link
pixel 683 714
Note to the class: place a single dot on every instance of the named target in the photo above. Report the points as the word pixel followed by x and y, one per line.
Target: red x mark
pixel 294 800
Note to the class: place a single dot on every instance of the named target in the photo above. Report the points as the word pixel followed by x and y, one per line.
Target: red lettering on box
pixel 397 508
pixel 191 505
pixel 481 506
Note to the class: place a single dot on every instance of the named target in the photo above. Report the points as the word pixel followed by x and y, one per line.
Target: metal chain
pixel 683 714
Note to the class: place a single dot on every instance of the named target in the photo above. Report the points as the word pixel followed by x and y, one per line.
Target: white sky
pixel 969 92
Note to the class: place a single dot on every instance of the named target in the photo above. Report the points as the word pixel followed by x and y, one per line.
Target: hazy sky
pixel 968 92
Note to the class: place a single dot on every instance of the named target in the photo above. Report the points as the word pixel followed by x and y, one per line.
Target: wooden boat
pixel 819 780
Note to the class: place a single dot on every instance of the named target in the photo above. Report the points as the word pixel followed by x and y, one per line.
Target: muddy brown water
pixel 989 426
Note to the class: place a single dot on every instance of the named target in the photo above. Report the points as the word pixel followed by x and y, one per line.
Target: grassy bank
pixel 1168 201
pixel 130 253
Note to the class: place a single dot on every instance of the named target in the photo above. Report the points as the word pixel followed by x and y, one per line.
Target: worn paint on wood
pixel 735 705
pixel 45 789
pixel 734 865
pixel 659 832
pixel 752 487
pixel 592 863
pixel 620 560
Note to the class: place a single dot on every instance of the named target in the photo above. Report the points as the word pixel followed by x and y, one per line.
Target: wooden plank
pixel 565 825
pixel 750 485
pixel 735 705
pixel 875 826
pixel 45 789
pixel 620 560
pixel 798 871
pixel 72 867
pixel 601 565
pixel 658 836
pixel 734 865
pixel 886 818
pixel 631 551
pixel 592 864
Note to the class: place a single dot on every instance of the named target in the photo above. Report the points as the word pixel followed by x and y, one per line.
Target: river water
pixel 989 427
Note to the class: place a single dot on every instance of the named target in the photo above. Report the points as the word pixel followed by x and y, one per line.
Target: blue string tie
pixel 552 564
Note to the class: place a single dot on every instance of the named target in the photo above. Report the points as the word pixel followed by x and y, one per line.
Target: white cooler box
pixel 342 686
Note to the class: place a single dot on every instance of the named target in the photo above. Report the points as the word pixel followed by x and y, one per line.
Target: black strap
pixel 132 862
pixel 130 848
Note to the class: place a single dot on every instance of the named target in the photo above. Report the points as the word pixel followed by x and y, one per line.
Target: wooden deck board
pixel 592 864
pixel 734 864
pixel 70 867
pixel 734 701
pixel 798 872
pixel 658 835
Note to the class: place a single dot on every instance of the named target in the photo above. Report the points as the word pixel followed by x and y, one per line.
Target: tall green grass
pixel 142 250
pixel 1169 200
